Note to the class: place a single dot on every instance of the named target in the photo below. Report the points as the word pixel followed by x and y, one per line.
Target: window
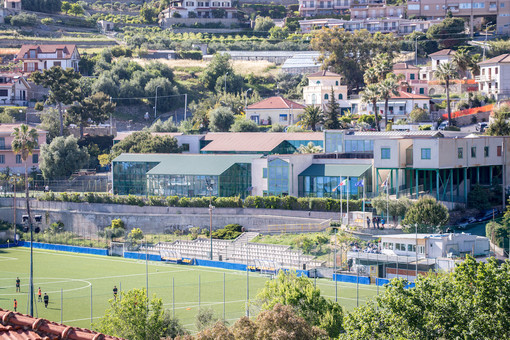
pixel 411 247
pixel 35 158
pixel 473 152
pixel 4 93
pixel 283 118
pixel 486 151
pixel 318 82
pixel 498 150
pixel 185 147
pixel 18 159
pixel 336 82
pixel 422 90
pixel 460 153
pixel 57 63
pixel 421 249
pixel 326 96
pixel 425 153
pixel 426 7
pixel 496 70
pixel 264 172
pixel 412 76
pixel 340 96
pixel 2 159
pixel 385 153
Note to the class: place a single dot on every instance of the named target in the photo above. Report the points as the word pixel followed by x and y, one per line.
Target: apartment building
pixel 475 10
pixel 12 160
pixel 43 57
pixel 191 11
pixel 494 78
pixel 411 82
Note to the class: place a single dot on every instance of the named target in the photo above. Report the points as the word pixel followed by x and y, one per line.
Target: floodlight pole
pixel 416 251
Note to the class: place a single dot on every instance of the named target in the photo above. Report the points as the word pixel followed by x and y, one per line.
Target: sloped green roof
pixel 187 164
pixel 335 170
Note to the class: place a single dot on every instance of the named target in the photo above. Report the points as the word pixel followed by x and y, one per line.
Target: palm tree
pixel 382 65
pixel 24 143
pixel 309 148
pixel 311 117
pixel 371 76
pixel 447 72
pixel 387 88
pixel 474 68
pixel 462 60
pixel 372 95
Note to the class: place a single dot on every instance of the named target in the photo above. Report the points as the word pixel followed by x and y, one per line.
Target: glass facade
pixel 298 143
pixel 322 186
pixel 236 181
pixel 181 185
pixel 359 146
pixel 131 177
pixel 278 178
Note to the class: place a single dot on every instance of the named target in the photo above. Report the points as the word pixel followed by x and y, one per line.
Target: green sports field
pixel 74 282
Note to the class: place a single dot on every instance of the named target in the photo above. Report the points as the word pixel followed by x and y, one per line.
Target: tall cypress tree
pixel 332 113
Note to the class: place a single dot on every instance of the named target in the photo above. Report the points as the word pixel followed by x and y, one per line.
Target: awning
pixel 335 170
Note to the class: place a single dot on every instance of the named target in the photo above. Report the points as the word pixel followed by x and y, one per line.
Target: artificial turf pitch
pixel 74 282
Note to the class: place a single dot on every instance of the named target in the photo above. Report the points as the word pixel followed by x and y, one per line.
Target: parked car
pixel 443 125
pixel 480 127
pixel 465 222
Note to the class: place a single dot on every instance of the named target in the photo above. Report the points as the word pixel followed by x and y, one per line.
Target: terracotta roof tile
pixel 10 128
pixel 324 73
pixel 69 48
pixel 17 326
pixel 444 52
pixel 503 58
pixel 276 103
pixel 253 141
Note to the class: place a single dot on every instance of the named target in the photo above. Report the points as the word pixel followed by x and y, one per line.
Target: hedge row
pixel 258 202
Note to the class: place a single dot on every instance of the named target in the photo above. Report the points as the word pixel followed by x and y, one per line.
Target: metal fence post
pixel 61 306
pixel 198 291
pixel 91 306
pixel 173 297
pixel 224 298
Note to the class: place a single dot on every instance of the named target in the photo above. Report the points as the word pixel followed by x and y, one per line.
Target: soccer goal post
pixel 117 249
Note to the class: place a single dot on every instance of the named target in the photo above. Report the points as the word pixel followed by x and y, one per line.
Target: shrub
pixel 156 201
pixel 39 106
pixel 229 232
pixel 23 19
pixel 47 21
pixel 172 201
pixel 195 55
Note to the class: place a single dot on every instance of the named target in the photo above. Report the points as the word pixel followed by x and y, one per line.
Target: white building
pixel 189 12
pixel 274 110
pixel 441 57
pixel 14 89
pixel 399 106
pixel 319 88
pixel 43 57
pixel 494 78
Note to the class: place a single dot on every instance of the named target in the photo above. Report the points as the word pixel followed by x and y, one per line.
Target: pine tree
pixel 331 113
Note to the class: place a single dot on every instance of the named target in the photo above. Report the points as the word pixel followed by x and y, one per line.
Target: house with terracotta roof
pixel 17 326
pixel 411 82
pixel 43 57
pixel 274 110
pixel 14 89
pixel 494 78
pixel 319 88
pixel 441 57
pixel 12 160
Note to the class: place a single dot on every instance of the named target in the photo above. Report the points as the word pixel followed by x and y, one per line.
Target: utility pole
pixel 226 74
pixel 185 105
pixel 156 103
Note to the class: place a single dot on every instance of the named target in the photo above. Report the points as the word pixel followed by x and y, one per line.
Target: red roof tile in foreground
pixel 253 141
pixel 276 102
pixel 17 326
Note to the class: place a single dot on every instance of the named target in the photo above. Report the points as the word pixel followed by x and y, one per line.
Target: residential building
pixel 368 11
pixel 474 10
pixel 494 78
pixel 441 57
pixel 274 110
pixel 14 89
pixel 12 160
pixel 399 106
pixel 43 57
pixel 412 81
pixel 394 25
pixel 24 327
pixel 320 85
pixel 13 6
pixel 189 12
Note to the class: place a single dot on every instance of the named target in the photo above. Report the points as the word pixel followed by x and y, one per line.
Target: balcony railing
pixel 484 78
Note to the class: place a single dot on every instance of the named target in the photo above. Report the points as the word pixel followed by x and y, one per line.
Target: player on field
pixel 46 300
pixel 18 285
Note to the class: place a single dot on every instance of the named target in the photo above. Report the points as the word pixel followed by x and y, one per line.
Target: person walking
pixel 383 222
pixel 18 285
pixel 46 300
pixel 15 305
pixel 368 222
pixel 39 295
pixel 115 291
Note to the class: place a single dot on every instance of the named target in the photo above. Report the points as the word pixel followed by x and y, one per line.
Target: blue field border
pixel 63 247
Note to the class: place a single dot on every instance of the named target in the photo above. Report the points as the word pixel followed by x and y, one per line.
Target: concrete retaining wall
pixel 89 218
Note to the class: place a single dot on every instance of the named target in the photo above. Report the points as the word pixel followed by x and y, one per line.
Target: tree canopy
pixel 429 214
pixel 448 33
pixel 62 157
pixel 94 109
pixel 145 142
pixel 221 119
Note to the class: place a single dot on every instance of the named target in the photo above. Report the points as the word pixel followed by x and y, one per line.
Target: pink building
pixel 412 81
pixel 8 158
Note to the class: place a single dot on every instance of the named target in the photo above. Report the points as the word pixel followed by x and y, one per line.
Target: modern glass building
pixel 187 175
pixel 320 180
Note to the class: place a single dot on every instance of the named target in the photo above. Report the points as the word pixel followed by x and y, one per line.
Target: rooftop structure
pixel 274 110
pixel 43 57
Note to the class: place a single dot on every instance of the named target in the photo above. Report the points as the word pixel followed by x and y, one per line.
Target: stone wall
pixel 88 219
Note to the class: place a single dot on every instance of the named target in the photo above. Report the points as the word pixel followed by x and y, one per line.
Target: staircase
pixel 246 237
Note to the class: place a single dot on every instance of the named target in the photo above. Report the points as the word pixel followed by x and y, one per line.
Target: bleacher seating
pixel 240 250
